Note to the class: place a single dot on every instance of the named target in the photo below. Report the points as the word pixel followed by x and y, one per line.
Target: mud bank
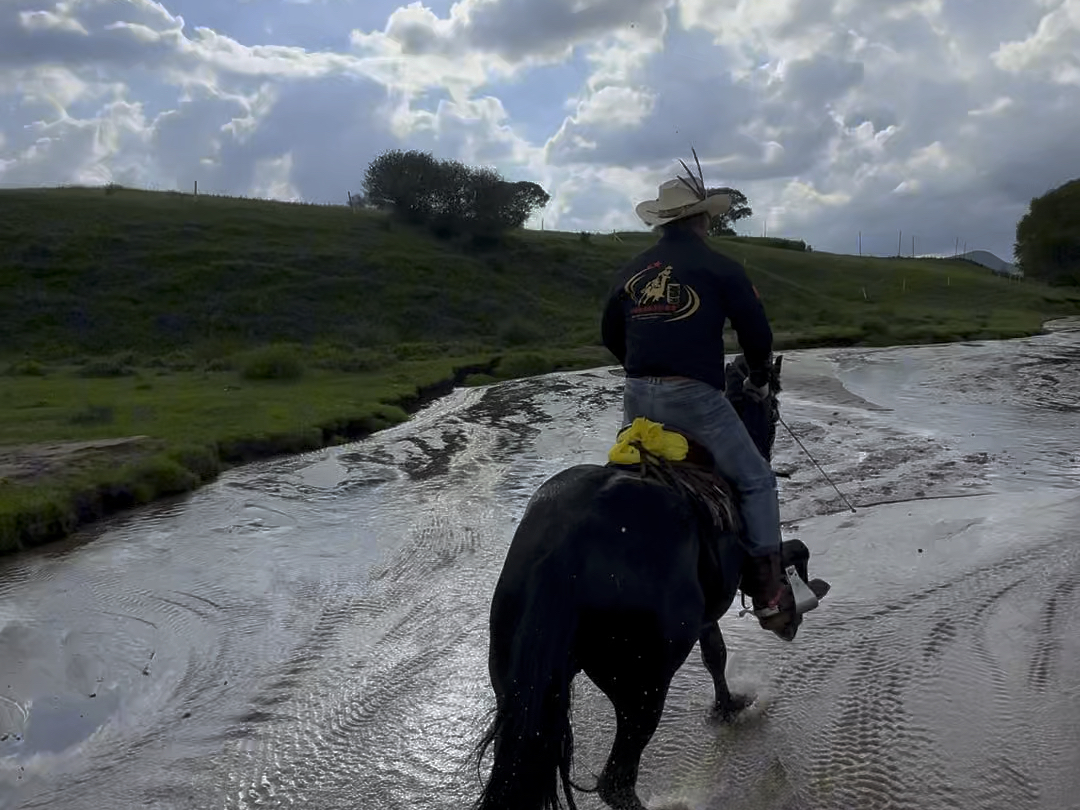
pixel 133 471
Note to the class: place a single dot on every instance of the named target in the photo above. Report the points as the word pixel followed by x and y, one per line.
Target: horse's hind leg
pixel 637 714
pixel 714 655
pixel 634 669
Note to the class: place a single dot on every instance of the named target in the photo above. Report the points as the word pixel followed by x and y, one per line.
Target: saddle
pixel 669 456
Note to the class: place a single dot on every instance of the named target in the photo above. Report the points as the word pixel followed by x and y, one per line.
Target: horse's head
pixel 762 428
pixel 802 594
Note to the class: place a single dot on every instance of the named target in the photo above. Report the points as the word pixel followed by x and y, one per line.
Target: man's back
pixel 665 314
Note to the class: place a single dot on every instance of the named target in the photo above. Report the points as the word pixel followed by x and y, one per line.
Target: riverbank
pixel 151 340
pixel 82 442
pixel 75 447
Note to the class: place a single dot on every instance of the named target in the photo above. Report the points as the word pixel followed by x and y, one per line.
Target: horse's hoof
pixel 619 798
pixel 727 711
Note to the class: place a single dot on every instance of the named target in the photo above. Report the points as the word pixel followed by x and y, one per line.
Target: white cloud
pixel 516 30
pixel 1053 49
pixel 998 105
pixel 613 106
pixel 937 117
pixel 100 149
pixel 43 20
pixel 273 179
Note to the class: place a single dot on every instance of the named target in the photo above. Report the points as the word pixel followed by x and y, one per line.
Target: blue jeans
pixel 704 414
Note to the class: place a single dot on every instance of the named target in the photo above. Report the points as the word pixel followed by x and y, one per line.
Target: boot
pixel 763 581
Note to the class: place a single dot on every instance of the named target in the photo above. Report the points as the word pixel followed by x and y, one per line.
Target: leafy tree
pixel 525 199
pixel 1048 236
pixel 449 196
pixel 452 192
pixel 498 205
pixel 487 200
pixel 403 182
pixel 740 209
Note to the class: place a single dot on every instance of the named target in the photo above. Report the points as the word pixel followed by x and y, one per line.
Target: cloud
pixel 516 30
pixel 86 151
pixel 941 118
pixel 836 117
pixel 1052 50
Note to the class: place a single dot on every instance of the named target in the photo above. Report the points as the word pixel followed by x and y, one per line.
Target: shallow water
pixel 312 631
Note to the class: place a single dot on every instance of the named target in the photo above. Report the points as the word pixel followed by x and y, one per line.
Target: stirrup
pixel 805 599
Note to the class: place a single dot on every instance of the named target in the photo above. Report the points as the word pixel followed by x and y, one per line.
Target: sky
pixel 934 119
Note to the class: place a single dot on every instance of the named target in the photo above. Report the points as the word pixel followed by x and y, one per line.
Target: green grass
pixel 189 425
pixel 226 329
pixel 195 424
pixel 84 272
pixel 197 407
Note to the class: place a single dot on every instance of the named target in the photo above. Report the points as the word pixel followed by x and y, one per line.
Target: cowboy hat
pixel 677 200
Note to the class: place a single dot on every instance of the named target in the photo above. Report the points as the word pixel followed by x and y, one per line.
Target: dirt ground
pixel 30 463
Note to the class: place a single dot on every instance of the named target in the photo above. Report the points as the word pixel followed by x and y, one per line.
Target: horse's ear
pixel 820 587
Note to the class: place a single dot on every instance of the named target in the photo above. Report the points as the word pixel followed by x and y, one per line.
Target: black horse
pixel 616 571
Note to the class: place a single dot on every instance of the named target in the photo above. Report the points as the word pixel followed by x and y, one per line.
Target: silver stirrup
pixel 805 599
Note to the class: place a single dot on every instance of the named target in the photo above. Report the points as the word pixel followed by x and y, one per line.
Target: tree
pixel 452 192
pixel 499 205
pixel 404 182
pixel 740 209
pixel 449 196
pixel 525 198
pixel 1048 236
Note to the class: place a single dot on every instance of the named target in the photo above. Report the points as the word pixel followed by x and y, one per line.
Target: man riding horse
pixel 618 570
pixel 664 321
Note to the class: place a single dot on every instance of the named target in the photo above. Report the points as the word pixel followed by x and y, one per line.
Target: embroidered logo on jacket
pixel 657 294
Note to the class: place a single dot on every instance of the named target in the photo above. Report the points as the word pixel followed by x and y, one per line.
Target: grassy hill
pixel 83 271
pixel 134 330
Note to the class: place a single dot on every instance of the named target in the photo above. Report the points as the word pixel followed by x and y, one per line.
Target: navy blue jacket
pixel 665 314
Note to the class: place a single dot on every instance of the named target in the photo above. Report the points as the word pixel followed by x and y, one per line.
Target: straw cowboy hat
pixel 681 198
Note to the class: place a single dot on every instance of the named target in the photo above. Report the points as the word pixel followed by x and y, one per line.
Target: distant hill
pixel 988 259
pixel 93 271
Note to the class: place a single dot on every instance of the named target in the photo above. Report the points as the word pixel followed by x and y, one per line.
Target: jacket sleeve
pixel 747 316
pixel 613 325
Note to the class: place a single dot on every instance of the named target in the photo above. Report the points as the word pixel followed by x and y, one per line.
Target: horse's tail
pixel 531 730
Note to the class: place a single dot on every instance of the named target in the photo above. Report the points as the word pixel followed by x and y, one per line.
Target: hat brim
pixel 652 215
